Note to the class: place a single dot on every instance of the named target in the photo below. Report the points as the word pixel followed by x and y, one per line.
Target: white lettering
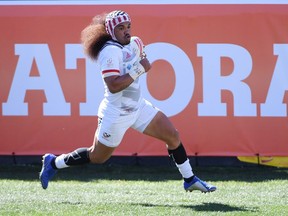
pixel 184 74
pixel 213 82
pixel 274 105
pixel 94 87
pixel 47 81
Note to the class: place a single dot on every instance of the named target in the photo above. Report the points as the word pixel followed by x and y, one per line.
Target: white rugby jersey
pixel 111 59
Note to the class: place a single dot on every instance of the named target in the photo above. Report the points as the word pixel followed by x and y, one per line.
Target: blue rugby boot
pixel 198 184
pixel 47 171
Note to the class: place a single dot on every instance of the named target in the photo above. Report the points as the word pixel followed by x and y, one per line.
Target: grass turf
pixel 140 190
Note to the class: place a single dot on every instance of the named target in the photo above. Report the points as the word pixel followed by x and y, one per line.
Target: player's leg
pixel 107 137
pixel 153 122
pixel 98 153
pixel 160 127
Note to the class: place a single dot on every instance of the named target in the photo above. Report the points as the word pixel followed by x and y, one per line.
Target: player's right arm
pixel 110 64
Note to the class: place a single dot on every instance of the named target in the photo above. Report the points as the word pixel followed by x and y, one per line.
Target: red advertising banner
pixel 220 72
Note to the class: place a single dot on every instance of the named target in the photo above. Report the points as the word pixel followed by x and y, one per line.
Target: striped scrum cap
pixel 113 19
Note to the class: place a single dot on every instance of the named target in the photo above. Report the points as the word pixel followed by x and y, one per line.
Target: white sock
pixel 185 169
pixel 60 163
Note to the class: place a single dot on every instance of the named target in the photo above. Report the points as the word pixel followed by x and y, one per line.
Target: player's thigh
pixel 162 128
pixel 111 129
pixel 108 136
pixel 144 116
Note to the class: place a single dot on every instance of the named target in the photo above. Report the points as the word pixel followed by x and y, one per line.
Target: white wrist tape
pixel 134 68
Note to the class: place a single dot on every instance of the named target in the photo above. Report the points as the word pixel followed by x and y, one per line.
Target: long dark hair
pixel 94 36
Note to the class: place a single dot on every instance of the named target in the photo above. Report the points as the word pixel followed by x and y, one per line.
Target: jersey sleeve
pixel 110 61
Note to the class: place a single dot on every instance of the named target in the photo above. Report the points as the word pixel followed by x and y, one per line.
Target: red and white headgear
pixel 113 19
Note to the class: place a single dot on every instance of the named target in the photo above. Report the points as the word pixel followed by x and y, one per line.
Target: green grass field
pixel 140 190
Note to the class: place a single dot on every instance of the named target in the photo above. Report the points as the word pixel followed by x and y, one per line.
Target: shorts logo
pixel 106 135
pixel 99 121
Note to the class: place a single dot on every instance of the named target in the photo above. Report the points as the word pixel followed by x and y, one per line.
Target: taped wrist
pixel 134 68
pixel 137 70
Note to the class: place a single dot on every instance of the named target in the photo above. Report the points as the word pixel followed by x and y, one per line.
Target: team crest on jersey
pixel 109 62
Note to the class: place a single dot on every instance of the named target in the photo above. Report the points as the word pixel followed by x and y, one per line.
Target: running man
pixel 122 61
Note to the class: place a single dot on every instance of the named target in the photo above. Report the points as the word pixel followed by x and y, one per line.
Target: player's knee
pixel 98 160
pixel 173 140
pixel 175 136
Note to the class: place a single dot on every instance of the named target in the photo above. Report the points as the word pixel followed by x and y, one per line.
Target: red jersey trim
pixel 110 71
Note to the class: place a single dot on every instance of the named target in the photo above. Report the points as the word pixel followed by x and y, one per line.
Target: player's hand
pixel 145 63
pixel 134 67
